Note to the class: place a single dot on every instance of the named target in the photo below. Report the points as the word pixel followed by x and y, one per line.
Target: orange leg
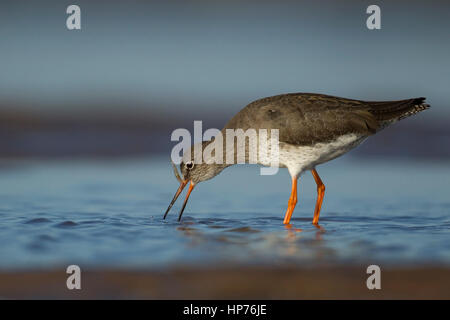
pixel 320 194
pixel 292 201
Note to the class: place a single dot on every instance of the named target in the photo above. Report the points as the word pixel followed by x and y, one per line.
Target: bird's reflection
pixel 292 231
pixel 294 234
pixel 292 246
pixel 256 240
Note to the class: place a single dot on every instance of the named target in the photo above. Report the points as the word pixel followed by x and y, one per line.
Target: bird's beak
pixel 175 197
pixel 183 183
pixel 191 187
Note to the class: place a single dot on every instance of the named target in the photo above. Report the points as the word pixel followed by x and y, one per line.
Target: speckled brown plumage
pixel 307 119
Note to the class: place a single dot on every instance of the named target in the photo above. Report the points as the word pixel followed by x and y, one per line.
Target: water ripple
pixel 122 225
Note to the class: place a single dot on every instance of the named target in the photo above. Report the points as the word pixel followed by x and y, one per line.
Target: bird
pixel 313 129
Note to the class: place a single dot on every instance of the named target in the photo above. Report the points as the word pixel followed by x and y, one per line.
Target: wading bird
pixel 313 129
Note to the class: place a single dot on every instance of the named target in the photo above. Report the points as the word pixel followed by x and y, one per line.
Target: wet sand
pixel 231 283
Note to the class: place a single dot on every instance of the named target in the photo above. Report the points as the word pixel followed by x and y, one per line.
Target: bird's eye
pixel 189 165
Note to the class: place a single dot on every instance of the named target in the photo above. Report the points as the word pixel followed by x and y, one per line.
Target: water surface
pixel 109 214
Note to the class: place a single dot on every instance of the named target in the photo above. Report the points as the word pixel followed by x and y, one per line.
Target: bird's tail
pixel 396 110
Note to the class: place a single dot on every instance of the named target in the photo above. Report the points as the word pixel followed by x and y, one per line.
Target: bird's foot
pixel 289 227
pixel 318 226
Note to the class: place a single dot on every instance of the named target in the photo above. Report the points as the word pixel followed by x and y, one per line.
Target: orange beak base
pixel 191 187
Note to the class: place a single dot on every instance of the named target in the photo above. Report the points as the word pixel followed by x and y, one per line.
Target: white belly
pixel 298 159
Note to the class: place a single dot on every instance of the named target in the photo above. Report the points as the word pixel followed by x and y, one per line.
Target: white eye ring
pixel 189 165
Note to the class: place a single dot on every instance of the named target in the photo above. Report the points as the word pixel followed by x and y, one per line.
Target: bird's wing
pixel 307 119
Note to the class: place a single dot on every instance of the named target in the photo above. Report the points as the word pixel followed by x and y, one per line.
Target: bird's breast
pixel 298 158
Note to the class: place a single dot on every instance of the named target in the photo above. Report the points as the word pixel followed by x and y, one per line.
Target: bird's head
pixel 193 172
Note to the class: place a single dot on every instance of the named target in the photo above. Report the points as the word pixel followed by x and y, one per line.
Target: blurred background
pixel 139 69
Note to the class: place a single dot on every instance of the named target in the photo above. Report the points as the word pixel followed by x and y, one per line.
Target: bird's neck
pixel 227 152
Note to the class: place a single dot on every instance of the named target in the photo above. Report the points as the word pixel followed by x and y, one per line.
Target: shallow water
pixel 109 214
